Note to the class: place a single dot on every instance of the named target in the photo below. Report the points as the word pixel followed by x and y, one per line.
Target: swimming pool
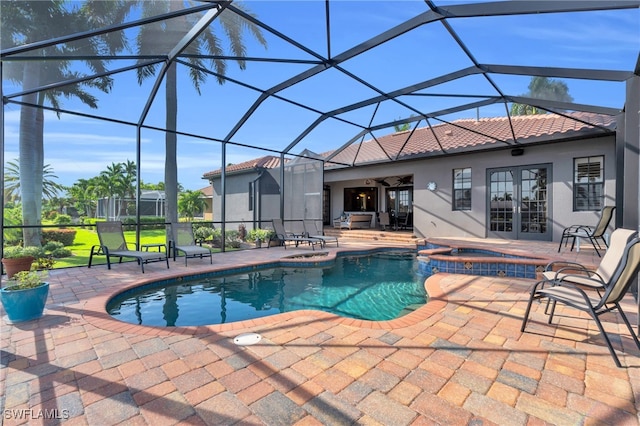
pixel 377 287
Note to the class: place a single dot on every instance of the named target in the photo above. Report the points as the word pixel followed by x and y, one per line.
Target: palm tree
pixel 112 183
pixel 542 88
pixel 190 203
pixel 24 22
pixel 129 178
pixel 83 196
pixel 209 43
pixel 50 188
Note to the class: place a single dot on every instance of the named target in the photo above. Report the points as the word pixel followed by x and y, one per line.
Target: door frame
pixel 517 233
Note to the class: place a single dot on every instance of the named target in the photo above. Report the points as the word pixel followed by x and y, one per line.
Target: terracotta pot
pixel 14 265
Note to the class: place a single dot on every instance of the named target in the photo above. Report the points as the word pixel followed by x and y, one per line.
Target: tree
pixel 50 188
pixel 24 22
pixel 402 127
pixel 542 88
pixel 158 36
pixel 190 203
pixel 83 196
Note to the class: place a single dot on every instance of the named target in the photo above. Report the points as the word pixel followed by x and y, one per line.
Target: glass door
pixel 399 205
pixel 518 200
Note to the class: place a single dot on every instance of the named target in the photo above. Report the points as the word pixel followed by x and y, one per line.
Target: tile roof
pixel 207 191
pixel 266 162
pixel 471 134
pixel 458 136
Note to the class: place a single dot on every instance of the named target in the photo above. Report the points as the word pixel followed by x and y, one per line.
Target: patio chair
pixel 311 230
pixel 577 273
pixel 592 233
pixel 113 244
pixel 183 240
pixel 567 292
pixel 285 237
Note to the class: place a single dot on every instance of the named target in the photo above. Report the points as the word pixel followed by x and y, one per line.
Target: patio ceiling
pixel 322 86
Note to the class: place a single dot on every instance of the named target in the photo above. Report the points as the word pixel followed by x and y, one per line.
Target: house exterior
pixel 207 196
pixel 453 179
pixel 252 191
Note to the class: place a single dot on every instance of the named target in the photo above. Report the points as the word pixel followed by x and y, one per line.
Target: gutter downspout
pixel 257 202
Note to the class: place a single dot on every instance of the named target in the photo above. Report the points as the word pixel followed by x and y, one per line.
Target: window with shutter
pixel 588 183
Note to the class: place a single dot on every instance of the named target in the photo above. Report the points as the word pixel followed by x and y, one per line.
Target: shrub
pixel 62 219
pixel 52 245
pixel 33 251
pixel 259 234
pixel 64 236
pixel 203 233
pixel 61 252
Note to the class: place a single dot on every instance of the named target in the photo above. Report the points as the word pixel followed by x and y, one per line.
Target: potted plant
pixel 17 258
pixel 25 295
pixel 259 236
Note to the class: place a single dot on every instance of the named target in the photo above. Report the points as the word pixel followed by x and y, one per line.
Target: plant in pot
pixel 259 236
pixel 17 258
pixel 25 295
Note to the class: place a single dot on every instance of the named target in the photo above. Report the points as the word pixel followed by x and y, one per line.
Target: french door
pixel 518 202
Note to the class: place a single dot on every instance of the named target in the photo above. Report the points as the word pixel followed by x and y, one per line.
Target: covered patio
pixel 459 359
pixel 312 100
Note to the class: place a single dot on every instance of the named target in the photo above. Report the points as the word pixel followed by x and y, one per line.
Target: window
pixel 360 199
pixel 588 183
pixel 462 189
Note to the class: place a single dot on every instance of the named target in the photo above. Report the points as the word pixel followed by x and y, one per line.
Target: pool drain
pixel 247 339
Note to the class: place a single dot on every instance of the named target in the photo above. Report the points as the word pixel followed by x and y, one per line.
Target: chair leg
pixel 528 310
pixel 593 243
pixel 628 324
pixel 606 338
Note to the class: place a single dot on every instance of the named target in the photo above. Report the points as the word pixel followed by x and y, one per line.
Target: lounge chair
pixel 577 273
pixel 592 233
pixel 566 291
pixel 183 240
pixel 285 237
pixel 311 230
pixel 113 244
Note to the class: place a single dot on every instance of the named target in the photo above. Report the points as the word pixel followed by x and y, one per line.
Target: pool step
pixel 377 235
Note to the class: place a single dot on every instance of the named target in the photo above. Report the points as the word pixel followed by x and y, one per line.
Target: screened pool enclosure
pixel 177 89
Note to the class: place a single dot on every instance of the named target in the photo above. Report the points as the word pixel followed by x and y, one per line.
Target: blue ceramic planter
pixel 24 305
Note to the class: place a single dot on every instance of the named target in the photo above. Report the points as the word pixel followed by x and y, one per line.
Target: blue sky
pixel 78 147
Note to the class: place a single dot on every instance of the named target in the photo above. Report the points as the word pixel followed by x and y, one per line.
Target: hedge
pixel 64 236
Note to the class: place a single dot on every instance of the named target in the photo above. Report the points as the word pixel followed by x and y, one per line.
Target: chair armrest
pixel 563 264
pixel 593 281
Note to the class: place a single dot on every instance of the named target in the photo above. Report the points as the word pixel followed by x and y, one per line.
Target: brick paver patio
pixel 461 359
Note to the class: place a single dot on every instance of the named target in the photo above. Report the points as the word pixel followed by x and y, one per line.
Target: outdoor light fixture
pixel 431 186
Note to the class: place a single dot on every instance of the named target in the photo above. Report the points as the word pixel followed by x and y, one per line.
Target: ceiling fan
pixel 405 180
pixel 382 182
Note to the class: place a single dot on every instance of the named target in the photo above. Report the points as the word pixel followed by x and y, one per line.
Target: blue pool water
pixel 376 287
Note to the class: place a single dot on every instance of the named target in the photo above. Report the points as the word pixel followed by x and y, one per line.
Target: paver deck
pixel 461 359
